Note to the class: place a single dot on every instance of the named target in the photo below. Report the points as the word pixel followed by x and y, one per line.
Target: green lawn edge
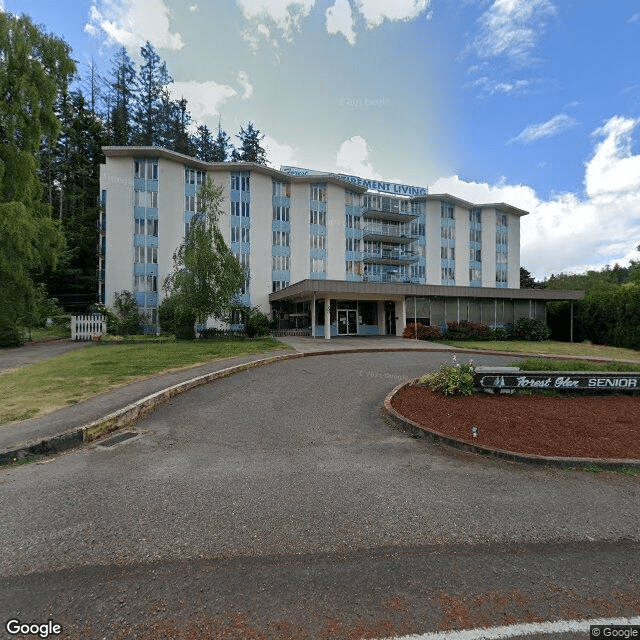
pixel 41 388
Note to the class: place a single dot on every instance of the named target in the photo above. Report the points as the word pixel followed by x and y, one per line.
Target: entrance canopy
pixel 370 308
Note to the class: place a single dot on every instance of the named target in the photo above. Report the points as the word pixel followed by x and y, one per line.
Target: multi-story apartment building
pixel 320 249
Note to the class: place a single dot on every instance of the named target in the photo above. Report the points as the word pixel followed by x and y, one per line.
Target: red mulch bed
pixel 571 427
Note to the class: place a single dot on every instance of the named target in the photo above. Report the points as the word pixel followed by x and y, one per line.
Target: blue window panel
pixel 280 225
pixel 139 212
pixel 501 285
pixel 319 254
pixel 354 278
pixel 447 222
pixel 368 330
pixel 189 189
pixel 281 275
pixel 138 296
pixel 239 221
pixel 502 248
pixel 140 184
pixel 280 251
pixel 352 233
pixel 317 230
pixel 240 247
pixel 422 241
pixel 475 283
pixel 151 213
pixel 448 263
pixel 152 185
pixel 138 269
pixel 280 201
pixel 318 275
pixel 353 256
pixel 151 299
pixel 244 299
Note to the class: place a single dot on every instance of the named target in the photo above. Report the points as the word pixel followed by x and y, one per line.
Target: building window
pixel 240 234
pixel 145 227
pixel 145 255
pixel 352 222
pixel 319 192
pixel 146 283
pixel 448 233
pixel 317 242
pixel 502 219
pixel 318 217
pixel 353 244
pixel 475 255
pixel 318 265
pixel 240 181
pixel 447 253
pixel 446 211
pixel 280 238
pixel 475 235
pixel 281 189
pixel 276 285
pixel 475 216
pixel 280 263
pixel 147 199
pixel 146 168
pixel 281 213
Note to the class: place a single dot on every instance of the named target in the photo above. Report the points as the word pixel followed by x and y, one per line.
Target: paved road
pixel 279 504
pixel 33 352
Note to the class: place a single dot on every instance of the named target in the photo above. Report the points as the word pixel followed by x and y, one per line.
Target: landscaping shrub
pixel 174 318
pixel 422 332
pixel 256 323
pixel 451 379
pixel 10 333
pixel 530 329
pixel 466 330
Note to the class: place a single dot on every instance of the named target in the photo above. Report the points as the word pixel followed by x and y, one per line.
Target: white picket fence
pixel 88 327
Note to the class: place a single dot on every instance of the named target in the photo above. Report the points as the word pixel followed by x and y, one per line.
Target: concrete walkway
pixel 33 352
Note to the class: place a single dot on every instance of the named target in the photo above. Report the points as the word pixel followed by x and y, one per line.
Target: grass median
pixel 38 389
pixel 550 348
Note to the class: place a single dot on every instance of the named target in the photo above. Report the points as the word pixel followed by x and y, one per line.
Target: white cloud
pixel 376 11
pixel 353 158
pixel 243 80
pixel 205 98
pixel 569 232
pixel 279 154
pixel 634 18
pixel 2 6
pixel 193 7
pixel 132 22
pixel 559 123
pixel 511 29
pixel 285 15
pixel 614 171
pixel 340 20
pixel 491 86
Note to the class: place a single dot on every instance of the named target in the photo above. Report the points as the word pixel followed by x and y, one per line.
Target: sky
pixel 535 103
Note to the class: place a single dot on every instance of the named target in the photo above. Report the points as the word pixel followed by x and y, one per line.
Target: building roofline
pixel 340 288
pixel 470 205
pixel 161 152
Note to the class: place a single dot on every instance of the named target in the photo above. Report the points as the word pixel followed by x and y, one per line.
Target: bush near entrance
pixel 420 331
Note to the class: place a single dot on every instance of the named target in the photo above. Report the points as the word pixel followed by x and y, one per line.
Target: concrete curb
pixel 128 415
pixel 407 424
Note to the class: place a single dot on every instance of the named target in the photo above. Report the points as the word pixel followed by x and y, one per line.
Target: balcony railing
pixel 391 231
pixel 390 257
pixel 391 278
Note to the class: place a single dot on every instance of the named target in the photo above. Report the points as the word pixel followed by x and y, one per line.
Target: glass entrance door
pixel 347 322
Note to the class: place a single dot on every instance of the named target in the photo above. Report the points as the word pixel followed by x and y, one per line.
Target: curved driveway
pixel 279 502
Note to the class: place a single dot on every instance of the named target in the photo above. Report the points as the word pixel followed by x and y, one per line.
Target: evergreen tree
pixel 203 144
pixel 74 171
pixel 151 88
pixel 34 68
pixel 222 147
pixel 250 149
pixel 121 99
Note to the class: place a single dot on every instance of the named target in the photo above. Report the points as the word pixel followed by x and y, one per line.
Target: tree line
pixel 608 314
pixel 54 121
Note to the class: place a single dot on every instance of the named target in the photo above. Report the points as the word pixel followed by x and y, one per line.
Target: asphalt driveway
pixel 272 483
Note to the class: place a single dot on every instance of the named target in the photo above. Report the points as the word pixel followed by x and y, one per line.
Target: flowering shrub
pixel 530 329
pixel 451 378
pixel 466 330
pixel 423 332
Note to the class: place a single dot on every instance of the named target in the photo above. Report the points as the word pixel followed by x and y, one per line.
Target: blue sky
pixel 531 102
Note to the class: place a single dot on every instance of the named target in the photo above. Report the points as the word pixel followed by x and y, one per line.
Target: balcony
pixel 395 257
pixel 387 233
pixel 389 213
pixel 393 278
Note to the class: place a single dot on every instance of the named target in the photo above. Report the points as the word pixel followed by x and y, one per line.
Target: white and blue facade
pixel 378 248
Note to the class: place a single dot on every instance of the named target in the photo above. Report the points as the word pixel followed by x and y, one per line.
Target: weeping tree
pixel 206 276
pixel 34 69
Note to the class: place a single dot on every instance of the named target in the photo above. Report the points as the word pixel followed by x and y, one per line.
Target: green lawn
pixel 549 348
pixel 37 389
